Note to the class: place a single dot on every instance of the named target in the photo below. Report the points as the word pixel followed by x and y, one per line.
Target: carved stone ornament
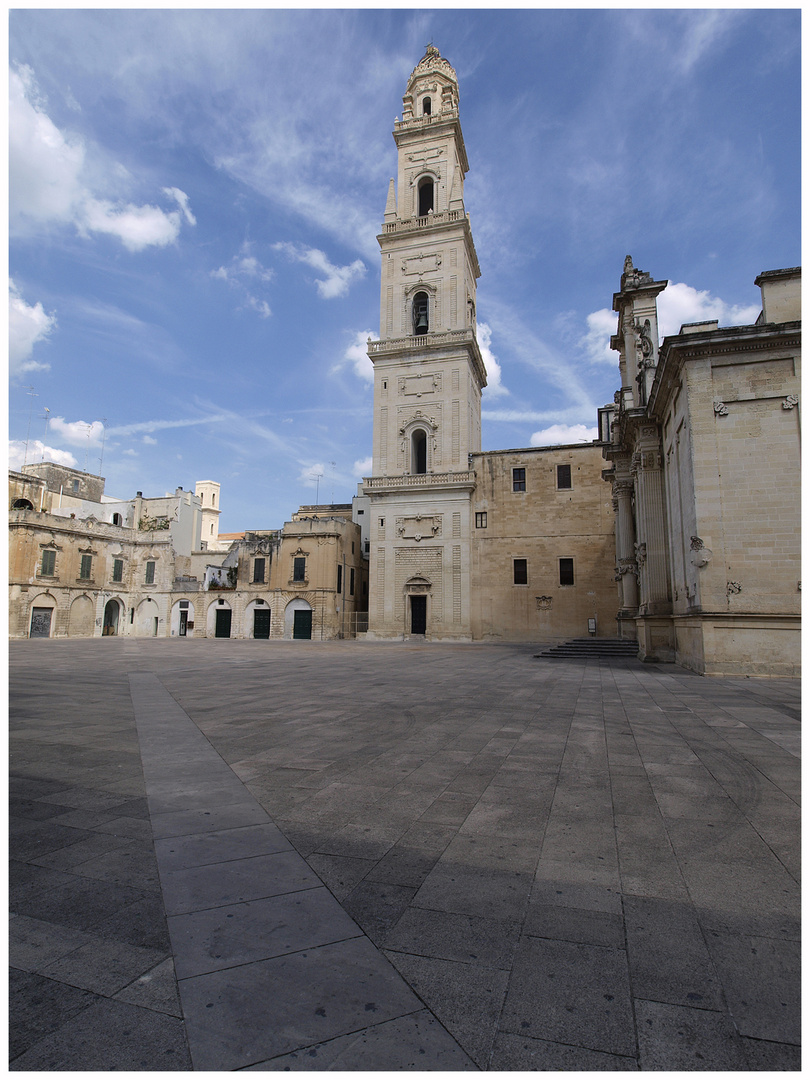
pixel 543 602
pixel 720 408
pixel 644 345
pixel 696 543
pixel 633 277
pixel 701 555
pixel 641 553
pixel 733 587
pixel 419 527
pixel 790 401
pixel 625 566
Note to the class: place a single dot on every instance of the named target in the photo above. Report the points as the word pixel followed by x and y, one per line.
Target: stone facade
pixel 706 477
pixel 77 573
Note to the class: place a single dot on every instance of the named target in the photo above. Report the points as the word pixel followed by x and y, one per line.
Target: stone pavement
pixel 376 856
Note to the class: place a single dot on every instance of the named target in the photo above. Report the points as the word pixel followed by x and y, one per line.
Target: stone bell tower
pixel 428 374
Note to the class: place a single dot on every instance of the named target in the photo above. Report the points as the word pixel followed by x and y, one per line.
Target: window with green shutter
pixel 48 563
pixel 150 573
pixel 86 570
pixel 118 570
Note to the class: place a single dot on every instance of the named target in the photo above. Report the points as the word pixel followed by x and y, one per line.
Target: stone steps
pixel 592 648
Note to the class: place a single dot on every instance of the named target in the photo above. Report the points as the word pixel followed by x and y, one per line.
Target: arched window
pixel 22 504
pixel 420 313
pixel 419 451
pixel 425 196
pixel 116 520
pixel 426 106
pixel 213 499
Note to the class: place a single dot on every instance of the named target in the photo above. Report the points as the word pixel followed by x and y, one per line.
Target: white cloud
pixel 131 453
pixel 596 343
pixel 679 304
pixel 494 387
pixel 362 468
pixel 27 325
pixel 356 355
pixel 261 306
pixel 337 279
pixel 147 440
pixel 48 180
pixel 559 434
pixel 245 267
pixel 311 475
pixel 77 432
pixel 37 451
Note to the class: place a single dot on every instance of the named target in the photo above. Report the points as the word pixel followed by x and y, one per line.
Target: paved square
pixel 355 855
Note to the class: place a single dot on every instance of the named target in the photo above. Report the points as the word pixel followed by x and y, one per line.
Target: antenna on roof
pixel 32 394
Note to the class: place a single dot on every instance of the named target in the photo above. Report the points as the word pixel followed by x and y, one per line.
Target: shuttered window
pixel 566 571
pixel 118 569
pixel 521 571
pixel 86 567
pixel 563 477
pixel 48 563
pixel 258 571
pixel 150 573
pixel 299 569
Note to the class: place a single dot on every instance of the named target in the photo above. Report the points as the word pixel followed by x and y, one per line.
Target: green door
pixel 261 622
pixel 223 624
pixel 302 624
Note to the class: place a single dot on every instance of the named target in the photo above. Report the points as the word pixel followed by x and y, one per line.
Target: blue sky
pixel 195 197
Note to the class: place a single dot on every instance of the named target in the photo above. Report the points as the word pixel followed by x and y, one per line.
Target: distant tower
pixel 428 374
pixel 208 491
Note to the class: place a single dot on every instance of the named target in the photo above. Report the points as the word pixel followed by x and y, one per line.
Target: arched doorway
pixel 298 620
pixel 257 619
pixel 147 618
pixel 43 617
pixel 182 619
pixel 112 617
pixel 22 504
pixel 82 617
pixel 220 615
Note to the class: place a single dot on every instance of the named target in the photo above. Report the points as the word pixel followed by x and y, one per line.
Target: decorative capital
pixel 720 408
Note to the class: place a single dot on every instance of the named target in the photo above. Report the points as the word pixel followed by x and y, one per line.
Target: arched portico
pixel 111 624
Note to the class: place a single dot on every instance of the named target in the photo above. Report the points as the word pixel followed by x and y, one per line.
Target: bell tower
pixel 428 374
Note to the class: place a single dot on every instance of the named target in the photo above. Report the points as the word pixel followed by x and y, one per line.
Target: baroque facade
pixel 703 440
pixel 512 544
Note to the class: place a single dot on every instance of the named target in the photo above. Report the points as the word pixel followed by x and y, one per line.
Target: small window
pixel 521 571
pixel 86 570
pixel 150 573
pixel 116 519
pixel 563 477
pixel 518 479
pixel 382 523
pixel 425 197
pixel 213 499
pixel 48 563
pixel 299 569
pixel 480 519
pixel 75 485
pixel 566 571
pixel 359 512
pixel 118 569
pixel 351 581
pixel 340 578
pixel 212 530
pixel 419 452
pixel 184 605
pixel 258 571
pixel 352 547
pixel 426 105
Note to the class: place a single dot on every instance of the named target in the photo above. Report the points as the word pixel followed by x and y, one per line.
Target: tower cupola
pixel 432 89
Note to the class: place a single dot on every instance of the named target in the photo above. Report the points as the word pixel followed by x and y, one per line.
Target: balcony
pixel 460 481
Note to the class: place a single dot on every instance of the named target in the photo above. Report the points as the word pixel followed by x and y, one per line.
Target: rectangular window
pixel 48 563
pixel 518 479
pixel 150 573
pixel 563 477
pixel 351 581
pixel 521 571
pixel 86 567
pixel 480 519
pixel 299 569
pixel 258 571
pixel 340 578
pixel 566 571
pixel 118 569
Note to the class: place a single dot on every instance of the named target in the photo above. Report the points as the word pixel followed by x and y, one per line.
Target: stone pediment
pixel 419 527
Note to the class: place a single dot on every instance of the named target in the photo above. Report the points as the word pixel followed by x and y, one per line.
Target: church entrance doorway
pixel 418 614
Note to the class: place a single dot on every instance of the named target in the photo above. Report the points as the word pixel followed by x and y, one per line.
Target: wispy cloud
pixel 335 280
pixel 28 324
pixel 49 183
pixel 355 356
pixel 494 387
pixel 37 451
pixel 77 432
pixel 564 433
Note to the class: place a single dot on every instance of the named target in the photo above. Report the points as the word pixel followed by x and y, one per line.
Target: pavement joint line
pixel 161 724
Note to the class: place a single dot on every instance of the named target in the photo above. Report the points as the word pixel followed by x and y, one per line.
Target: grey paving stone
pixel 233 815
pixel 466 998
pixel 155 989
pixel 27 881
pixel 571 993
pixel 133 865
pixel 96 844
pixel 111 1035
pixel 39 1007
pixel 377 907
pixel 142 923
pixel 34 943
pixel 564 923
pixel 669 961
pixel 39 839
pixel 103 966
pixel 519 1053
pixel 216 884
pixel 593 886
pixel 646 860
pixel 289 1002
pixel 447 936
pixel 338 873
pixel 672 1037
pixel 472 890
pixel 765 1056
pixel 224 937
pixel 760 978
pixel 416 1042
pixel 180 852
pixel 83 903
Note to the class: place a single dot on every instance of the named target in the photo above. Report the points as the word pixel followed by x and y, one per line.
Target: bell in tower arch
pixel 420 313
